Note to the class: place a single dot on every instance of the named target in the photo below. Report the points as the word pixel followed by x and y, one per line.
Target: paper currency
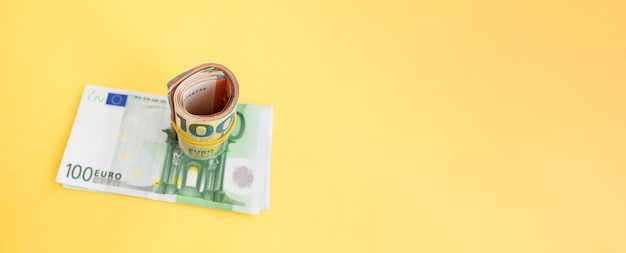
pixel 203 102
pixel 122 142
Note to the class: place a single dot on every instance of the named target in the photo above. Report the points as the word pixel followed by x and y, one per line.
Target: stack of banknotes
pixel 130 143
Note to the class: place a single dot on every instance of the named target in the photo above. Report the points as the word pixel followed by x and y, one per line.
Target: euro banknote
pixel 203 102
pixel 122 142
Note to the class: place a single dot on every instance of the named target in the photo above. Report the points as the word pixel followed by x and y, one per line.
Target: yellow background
pixel 400 126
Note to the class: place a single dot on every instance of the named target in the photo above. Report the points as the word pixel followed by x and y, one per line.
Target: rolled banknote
pixel 203 103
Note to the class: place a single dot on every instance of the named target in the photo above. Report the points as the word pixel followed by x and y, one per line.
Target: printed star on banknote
pixel 122 142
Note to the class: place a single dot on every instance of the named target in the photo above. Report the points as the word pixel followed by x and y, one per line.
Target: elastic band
pixel 210 143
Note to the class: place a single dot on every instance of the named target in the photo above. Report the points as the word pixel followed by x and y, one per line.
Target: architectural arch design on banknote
pixel 186 176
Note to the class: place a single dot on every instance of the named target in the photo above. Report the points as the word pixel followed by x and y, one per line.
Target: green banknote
pixel 122 142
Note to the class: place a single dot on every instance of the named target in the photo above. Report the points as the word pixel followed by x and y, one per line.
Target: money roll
pixel 203 101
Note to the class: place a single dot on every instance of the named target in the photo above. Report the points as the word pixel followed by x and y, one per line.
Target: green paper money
pixel 122 142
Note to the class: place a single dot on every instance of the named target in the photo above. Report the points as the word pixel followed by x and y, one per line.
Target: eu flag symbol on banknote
pixel 116 99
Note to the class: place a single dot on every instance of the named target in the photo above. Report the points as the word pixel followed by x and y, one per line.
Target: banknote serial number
pixel 76 171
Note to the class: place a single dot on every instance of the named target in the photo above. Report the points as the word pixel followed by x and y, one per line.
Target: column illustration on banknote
pixel 186 176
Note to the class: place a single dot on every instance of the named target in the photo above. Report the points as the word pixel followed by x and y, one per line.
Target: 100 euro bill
pixel 122 142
